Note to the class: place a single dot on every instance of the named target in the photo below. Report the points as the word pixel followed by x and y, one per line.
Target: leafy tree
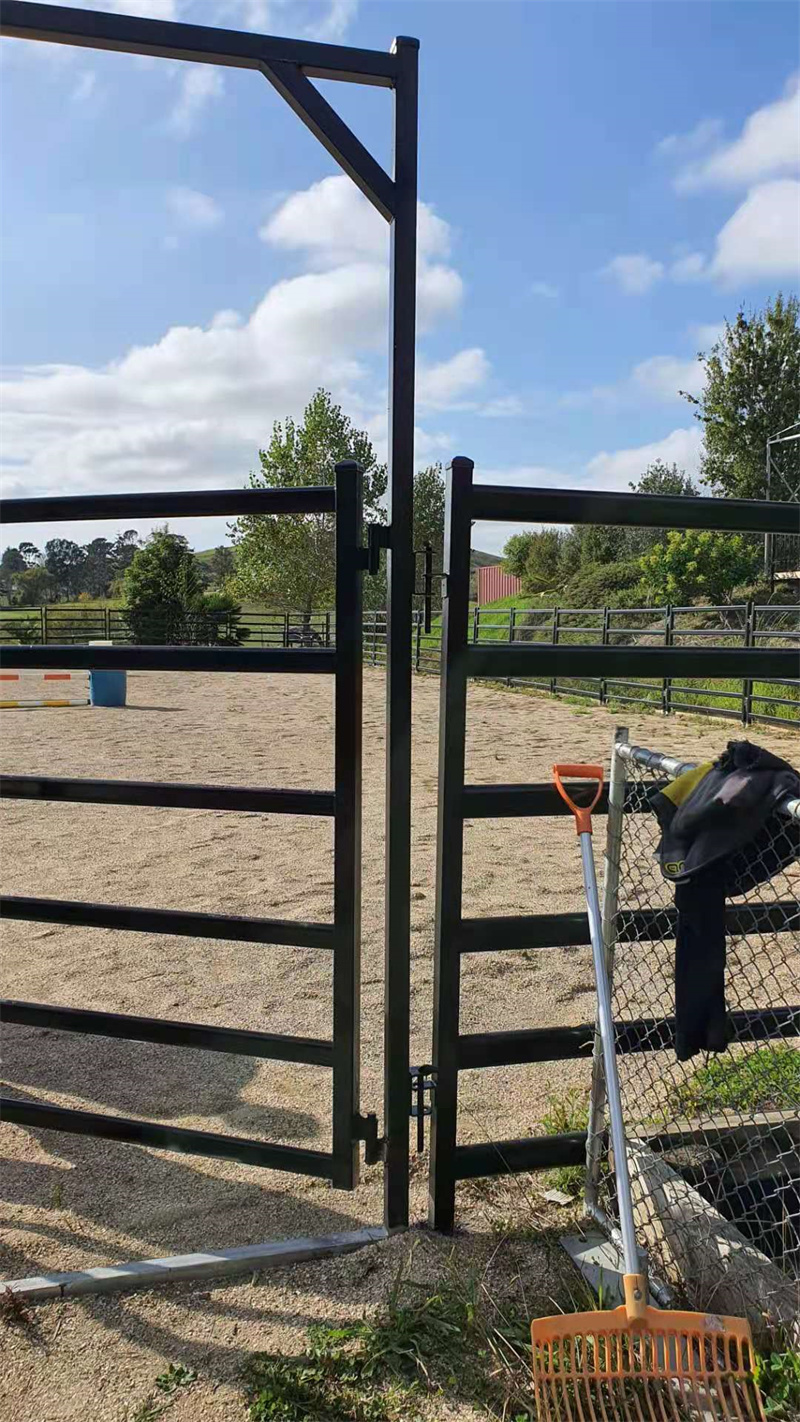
pixel 605 585
pixel 165 600
pixel 752 391
pixel 65 561
pixel 98 568
pixel 699 565
pixel 543 562
pixel 515 553
pixel 32 587
pixel 31 554
pixel 11 562
pixel 658 478
pixel 124 550
pixel 221 564
pixel 290 560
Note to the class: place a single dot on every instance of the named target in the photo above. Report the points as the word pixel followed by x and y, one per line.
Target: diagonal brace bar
pixel 333 133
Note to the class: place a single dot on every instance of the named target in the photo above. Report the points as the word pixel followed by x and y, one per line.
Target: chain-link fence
pixel 723 1128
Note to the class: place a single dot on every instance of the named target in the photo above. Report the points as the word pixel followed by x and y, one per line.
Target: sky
pixel 602 184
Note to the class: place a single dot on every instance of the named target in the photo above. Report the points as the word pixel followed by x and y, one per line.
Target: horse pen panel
pixel 69 1199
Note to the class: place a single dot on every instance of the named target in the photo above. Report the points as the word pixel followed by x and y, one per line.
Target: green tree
pixel 11 562
pixel 162 585
pixel 123 551
pixel 289 561
pixel 752 391
pixel 98 569
pixel 699 565
pixel 516 551
pixel 658 478
pixel 65 562
pixel 32 587
pixel 221 564
pixel 31 554
pixel 543 562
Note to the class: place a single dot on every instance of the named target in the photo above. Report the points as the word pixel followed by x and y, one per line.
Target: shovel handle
pixel 582 813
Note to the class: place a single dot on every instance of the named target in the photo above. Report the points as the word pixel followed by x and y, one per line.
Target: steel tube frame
pixel 456 935
pixel 342 937
pixel 289 65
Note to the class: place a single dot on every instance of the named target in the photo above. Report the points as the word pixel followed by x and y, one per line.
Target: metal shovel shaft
pixel 606 1023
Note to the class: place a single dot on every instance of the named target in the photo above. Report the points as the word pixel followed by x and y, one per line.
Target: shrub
pixel 604 584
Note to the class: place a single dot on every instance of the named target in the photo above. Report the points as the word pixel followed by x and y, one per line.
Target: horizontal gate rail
pixel 525 659
pixel 511 1157
pixel 304 660
pixel 508 503
pixel 41 1115
pixel 180 922
pixel 465 656
pixel 199 503
pixel 648 1034
pixel 569 930
pixel 246 798
pixel 205 1037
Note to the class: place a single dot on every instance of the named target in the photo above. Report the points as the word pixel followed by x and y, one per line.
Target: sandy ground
pixel 67 1200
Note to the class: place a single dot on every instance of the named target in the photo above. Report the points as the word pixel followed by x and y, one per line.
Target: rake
pixel 634 1363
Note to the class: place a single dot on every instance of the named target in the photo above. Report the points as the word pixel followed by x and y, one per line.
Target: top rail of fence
pixel 179 503
pixel 568 506
pixel 670 765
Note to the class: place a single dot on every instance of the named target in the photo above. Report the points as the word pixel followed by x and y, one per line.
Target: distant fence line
pixel 69 625
pixel 744 625
pixel 741 625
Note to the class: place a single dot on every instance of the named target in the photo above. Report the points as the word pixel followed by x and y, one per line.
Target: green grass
pixel 765 1080
pixel 423 1342
pixel 564 1114
pixel 778 1378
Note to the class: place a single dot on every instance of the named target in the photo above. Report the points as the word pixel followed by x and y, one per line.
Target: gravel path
pixel 70 1200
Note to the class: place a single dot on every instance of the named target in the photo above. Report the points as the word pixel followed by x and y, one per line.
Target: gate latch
pixel 422 1080
pixel 379 535
pixel 365 1128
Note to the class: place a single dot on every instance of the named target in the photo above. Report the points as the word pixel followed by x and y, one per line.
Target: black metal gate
pixel 343 804
pixel 453 1051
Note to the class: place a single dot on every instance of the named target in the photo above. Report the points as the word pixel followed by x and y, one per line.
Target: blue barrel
pixel 108 688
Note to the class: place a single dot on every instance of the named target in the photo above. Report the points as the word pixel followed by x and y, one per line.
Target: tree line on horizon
pixel 751 390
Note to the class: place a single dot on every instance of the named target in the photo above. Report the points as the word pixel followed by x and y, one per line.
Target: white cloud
pixel 768 146
pixel 706 132
pixel 634 272
pixel 707 334
pixel 440 387
pixel 193 209
pixel 662 377
pixel 332 222
pixel 85 86
pixel 692 267
pixel 619 468
pixel 192 408
pixel 761 241
pixel 545 289
pixel 502 407
pixel 321 21
pixel 199 84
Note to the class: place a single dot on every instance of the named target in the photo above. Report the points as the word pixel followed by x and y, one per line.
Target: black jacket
pixel 721 834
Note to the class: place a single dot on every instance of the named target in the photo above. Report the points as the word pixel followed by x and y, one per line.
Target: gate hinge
pixel 423 1078
pixel 379 535
pixel 365 1128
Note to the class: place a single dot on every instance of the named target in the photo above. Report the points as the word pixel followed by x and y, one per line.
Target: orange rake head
pixel 659 1366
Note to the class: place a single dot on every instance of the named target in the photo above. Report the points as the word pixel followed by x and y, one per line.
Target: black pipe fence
pixel 744 625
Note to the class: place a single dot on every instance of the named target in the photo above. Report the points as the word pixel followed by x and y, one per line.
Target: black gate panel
pixel 455 935
pixel 343 804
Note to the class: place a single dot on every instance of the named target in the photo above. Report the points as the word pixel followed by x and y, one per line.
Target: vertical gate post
pixel 450 844
pixel 669 641
pixel 554 679
pixel 347 827
pixel 400 589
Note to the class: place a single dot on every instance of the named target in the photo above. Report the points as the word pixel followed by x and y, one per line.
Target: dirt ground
pixel 68 1200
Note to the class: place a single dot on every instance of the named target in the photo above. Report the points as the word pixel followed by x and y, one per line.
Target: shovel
pixel 634 1363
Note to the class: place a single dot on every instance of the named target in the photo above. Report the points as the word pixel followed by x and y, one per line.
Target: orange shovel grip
pixel 582 813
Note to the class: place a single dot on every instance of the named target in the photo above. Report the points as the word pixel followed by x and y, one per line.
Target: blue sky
pixel 602 184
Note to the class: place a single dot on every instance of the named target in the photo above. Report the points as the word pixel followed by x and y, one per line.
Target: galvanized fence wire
pixel 727 1123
